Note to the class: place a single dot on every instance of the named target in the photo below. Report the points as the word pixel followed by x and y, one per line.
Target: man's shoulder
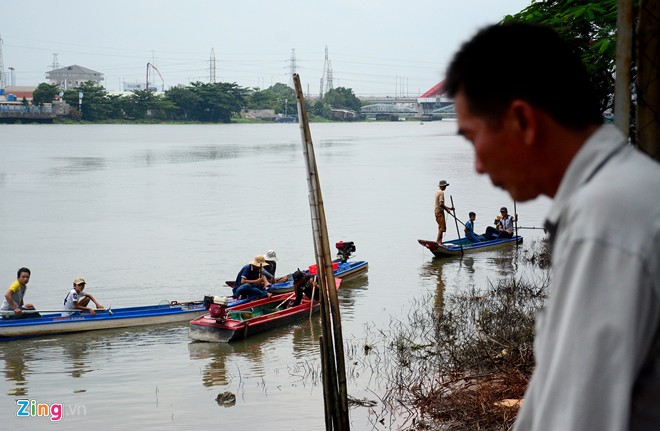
pixel 15 286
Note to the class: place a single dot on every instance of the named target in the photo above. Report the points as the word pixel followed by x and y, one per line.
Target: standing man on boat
pixel 250 282
pixel 13 300
pixel 597 347
pixel 440 209
pixel 78 300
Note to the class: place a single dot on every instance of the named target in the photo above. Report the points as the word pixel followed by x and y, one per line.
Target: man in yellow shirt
pixel 14 297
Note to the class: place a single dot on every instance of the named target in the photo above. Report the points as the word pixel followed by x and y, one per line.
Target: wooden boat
pixel 247 319
pixel 341 267
pixel 464 245
pixel 55 323
pixel 241 321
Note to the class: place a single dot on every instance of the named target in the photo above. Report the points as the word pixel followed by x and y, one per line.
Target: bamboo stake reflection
pixel 332 343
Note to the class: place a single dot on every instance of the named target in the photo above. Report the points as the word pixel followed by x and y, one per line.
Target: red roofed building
pixel 433 98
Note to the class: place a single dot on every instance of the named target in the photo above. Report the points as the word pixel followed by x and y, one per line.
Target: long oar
pixel 460 242
pixel 515 220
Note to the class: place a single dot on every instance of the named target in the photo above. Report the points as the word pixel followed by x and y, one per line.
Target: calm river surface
pixel 168 212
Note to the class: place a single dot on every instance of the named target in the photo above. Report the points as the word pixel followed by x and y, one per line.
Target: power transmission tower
pixel 328 82
pixel 327 75
pixel 212 67
pixel 2 67
pixel 292 67
pixel 56 63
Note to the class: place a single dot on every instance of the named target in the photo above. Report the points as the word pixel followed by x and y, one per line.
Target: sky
pixel 376 47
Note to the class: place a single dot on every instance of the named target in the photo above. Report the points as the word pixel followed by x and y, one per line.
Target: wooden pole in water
pixel 458 232
pixel 332 342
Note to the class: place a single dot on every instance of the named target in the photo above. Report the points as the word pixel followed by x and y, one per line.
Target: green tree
pixel 342 97
pixel 589 26
pixel 145 104
pixel 217 101
pixel 96 105
pixel 184 101
pixel 44 93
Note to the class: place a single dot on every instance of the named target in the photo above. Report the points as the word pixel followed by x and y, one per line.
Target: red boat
pixel 223 325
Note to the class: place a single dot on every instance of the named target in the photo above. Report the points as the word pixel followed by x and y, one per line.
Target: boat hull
pixel 248 319
pixel 51 324
pixel 345 270
pixel 462 246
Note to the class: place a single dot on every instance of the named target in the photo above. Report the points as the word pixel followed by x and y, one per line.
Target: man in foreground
pixel 521 96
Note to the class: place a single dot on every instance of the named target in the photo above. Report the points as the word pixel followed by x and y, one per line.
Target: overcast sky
pixel 376 47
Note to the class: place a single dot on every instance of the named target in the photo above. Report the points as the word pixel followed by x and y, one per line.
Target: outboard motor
pixel 344 250
pixel 217 306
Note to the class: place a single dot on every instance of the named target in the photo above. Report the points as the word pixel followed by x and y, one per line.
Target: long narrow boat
pixel 343 270
pixel 225 324
pixel 464 245
pixel 248 319
pixel 49 324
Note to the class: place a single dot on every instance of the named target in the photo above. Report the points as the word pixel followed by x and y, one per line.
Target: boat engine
pixel 344 250
pixel 217 306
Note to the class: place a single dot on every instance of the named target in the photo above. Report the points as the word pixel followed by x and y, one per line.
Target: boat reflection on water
pixel 16 368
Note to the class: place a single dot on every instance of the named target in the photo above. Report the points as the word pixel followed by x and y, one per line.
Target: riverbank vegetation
pixel 459 360
pixel 195 103
pixel 465 365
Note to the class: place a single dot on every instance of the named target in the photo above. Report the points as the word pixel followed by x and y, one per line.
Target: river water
pixel 168 212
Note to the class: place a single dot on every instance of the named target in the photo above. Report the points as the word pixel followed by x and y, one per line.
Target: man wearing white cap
pixel 77 300
pixel 271 267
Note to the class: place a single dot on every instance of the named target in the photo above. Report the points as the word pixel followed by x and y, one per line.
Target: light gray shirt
pixel 597 343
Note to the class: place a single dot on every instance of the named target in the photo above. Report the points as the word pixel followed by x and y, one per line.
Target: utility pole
pixel 56 63
pixel 2 67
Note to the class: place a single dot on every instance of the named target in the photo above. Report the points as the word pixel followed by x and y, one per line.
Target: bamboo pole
pixel 332 342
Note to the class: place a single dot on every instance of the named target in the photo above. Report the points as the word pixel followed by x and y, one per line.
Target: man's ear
pixel 524 118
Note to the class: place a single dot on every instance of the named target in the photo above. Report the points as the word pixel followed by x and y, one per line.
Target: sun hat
pixel 79 280
pixel 258 261
pixel 443 183
pixel 271 255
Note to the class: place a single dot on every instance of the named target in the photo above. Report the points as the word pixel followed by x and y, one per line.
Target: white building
pixel 72 76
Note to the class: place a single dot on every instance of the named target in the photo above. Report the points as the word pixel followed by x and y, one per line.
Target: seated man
pixel 504 228
pixel 469 229
pixel 304 284
pixel 271 267
pixel 77 300
pixel 250 282
pixel 13 299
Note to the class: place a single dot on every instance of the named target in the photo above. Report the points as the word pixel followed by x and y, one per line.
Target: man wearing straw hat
pixel 250 281
pixel 440 209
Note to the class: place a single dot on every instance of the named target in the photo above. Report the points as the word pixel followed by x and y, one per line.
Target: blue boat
pixel 342 268
pixel 463 245
pixel 55 323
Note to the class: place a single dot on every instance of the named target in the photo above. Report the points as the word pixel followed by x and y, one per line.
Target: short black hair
pixel 523 61
pixel 472 213
pixel 22 270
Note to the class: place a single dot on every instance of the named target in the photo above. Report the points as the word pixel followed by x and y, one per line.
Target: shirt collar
pixel 595 152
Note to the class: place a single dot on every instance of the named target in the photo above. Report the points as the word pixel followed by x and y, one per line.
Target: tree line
pixel 196 102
